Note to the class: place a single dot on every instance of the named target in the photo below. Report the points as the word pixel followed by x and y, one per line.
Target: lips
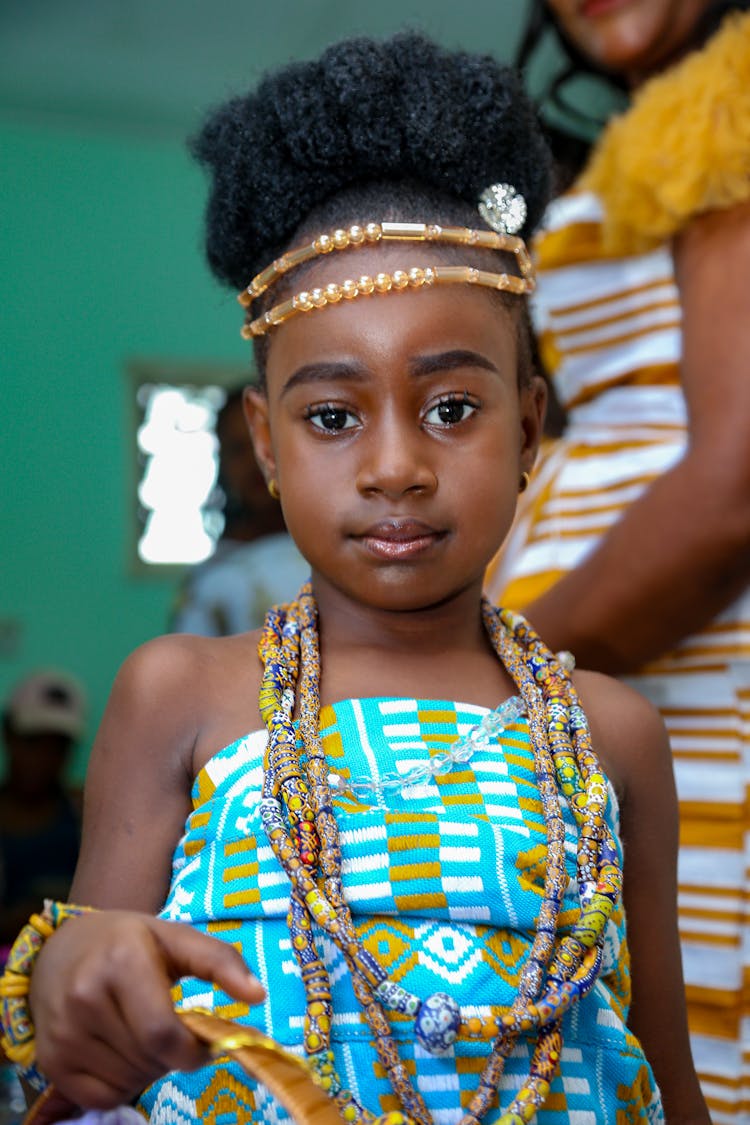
pixel 399 538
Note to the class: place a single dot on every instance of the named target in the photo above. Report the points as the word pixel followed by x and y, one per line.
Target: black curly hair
pixel 374 129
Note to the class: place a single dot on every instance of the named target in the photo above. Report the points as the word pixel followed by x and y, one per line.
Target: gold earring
pixel 273 488
pixel 523 484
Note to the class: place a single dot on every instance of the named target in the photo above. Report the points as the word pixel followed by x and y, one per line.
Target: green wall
pixel 101 265
pixel 100 245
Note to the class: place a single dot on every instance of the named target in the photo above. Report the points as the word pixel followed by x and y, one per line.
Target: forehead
pixel 390 327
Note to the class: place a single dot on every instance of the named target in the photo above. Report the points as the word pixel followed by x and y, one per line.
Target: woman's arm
pixel 632 742
pixel 104 1019
pixel 681 553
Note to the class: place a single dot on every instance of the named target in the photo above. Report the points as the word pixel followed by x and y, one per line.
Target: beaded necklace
pixel 298 817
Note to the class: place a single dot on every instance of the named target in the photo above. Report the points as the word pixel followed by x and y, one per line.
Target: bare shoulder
pixel 168 659
pixel 627 731
pixel 166 667
pixel 174 702
pixel 716 233
pixel 188 690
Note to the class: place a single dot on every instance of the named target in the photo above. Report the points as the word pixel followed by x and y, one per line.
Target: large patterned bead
pixel 437 1022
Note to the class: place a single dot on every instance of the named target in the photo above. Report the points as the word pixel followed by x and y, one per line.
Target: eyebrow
pixel 353 372
pixel 323 372
pixel 449 361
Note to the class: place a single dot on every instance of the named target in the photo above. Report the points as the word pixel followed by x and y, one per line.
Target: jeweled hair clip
pixel 502 208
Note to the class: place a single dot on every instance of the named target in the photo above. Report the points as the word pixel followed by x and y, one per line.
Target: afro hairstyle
pixel 402 123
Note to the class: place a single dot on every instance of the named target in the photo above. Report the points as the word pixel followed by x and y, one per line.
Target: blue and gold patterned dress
pixel 444 878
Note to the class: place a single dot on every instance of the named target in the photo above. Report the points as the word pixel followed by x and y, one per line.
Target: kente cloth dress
pixel 609 327
pixel 444 879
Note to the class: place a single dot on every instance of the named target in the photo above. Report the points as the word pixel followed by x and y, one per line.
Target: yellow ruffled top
pixel 682 148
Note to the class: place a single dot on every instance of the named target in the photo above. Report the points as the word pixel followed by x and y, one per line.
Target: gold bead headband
pixel 370 234
pixel 414 278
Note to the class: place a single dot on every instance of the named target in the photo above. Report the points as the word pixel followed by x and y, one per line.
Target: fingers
pixel 106 1025
pixel 158 1039
pixel 113 1030
pixel 191 953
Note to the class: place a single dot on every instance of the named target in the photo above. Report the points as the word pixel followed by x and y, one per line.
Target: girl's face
pixel 633 38
pixel 397 433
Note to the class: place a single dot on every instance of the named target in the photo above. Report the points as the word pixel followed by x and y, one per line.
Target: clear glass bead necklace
pixel 480 737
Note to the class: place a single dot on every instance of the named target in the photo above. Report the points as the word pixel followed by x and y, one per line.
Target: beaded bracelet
pixel 17 1039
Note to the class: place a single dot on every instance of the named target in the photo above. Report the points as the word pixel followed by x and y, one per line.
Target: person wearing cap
pixel 42 719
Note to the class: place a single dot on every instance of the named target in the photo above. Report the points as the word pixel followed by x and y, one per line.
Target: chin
pixel 394 593
pixel 406 601
pixel 622 44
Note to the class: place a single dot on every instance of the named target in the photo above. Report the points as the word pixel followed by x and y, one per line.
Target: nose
pixel 395 461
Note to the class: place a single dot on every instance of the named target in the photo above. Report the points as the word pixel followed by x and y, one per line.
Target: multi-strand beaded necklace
pixel 298 817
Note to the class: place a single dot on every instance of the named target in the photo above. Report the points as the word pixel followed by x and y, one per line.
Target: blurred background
pixel 111 324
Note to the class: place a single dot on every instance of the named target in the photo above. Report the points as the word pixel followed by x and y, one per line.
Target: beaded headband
pixel 414 278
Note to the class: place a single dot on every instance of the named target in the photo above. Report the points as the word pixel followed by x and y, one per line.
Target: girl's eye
pixel 332 419
pixel 450 411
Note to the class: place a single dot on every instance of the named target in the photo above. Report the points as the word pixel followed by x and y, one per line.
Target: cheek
pixel 302 518
pixel 300 460
pixel 311 479
pixel 495 501
pixel 484 490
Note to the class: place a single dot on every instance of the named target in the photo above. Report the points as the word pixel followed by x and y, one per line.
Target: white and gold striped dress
pixel 610 334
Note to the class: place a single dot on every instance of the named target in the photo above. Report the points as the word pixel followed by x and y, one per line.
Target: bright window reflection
pixel 178 451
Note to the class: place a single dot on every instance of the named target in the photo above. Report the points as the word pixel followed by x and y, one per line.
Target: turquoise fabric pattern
pixel 444 878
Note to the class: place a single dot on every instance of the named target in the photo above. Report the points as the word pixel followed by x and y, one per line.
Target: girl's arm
pixel 632 743
pixel 138 781
pixel 681 552
pixel 104 1021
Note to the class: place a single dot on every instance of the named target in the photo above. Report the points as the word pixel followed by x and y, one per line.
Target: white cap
pixel 47 702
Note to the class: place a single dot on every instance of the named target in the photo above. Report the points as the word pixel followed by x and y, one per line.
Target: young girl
pixel 387 842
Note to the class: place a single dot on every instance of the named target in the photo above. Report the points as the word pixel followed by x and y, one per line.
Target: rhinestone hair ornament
pixel 501 207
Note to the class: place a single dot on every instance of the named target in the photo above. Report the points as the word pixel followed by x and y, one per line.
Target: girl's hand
pixel 104 1019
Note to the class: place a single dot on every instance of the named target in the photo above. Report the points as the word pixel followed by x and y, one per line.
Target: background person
pixel 43 717
pixel 632 548
pixel 255 564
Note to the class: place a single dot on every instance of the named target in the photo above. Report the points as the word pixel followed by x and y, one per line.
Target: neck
pixel 454 624
pixel 435 652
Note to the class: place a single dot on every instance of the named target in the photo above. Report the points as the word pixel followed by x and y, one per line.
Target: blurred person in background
pixel 255 564
pixel 43 718
pixel 632 546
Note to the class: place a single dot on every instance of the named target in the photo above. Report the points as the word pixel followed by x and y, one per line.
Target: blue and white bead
pixel 437 1022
